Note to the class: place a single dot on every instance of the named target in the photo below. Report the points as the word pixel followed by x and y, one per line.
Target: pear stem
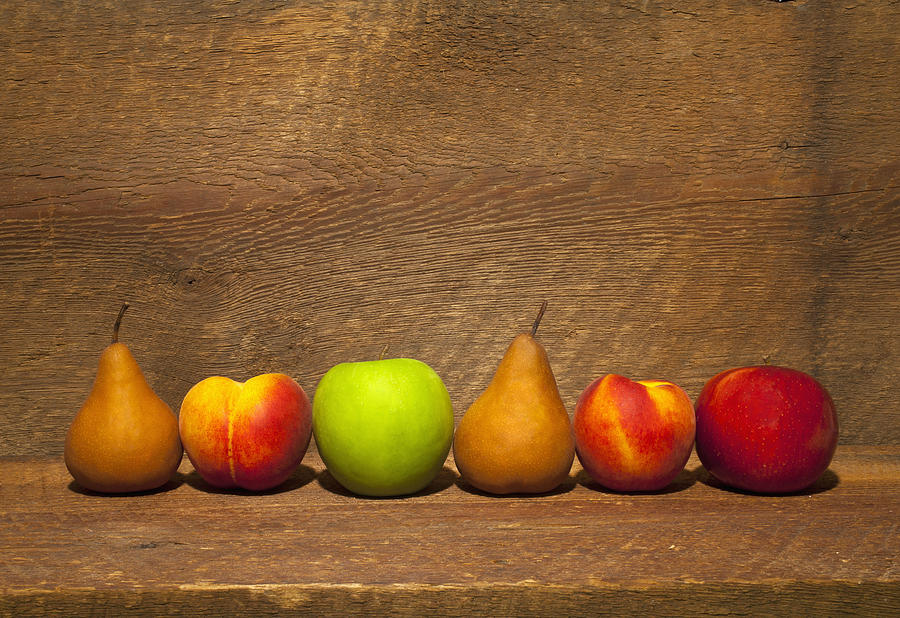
pixel 115 337
pixel 383 351
pixel 537 320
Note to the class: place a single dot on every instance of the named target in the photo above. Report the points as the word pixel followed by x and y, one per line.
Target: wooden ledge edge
pixel 522 598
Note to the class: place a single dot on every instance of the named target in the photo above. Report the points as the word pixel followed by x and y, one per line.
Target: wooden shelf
pixel 696 548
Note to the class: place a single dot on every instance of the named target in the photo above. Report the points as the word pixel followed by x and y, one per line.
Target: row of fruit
pixel 385 428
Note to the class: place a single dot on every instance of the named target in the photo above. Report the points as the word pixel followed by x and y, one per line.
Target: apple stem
pixel 537 320
pixel 115 337
pixel 383 351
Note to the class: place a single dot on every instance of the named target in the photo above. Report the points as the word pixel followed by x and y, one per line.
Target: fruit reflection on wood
pixel 385 428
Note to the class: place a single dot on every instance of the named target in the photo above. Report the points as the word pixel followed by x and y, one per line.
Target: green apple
pixel 383 428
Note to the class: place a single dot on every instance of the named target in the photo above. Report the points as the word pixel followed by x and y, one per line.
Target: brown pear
pixel 124 438
pixel 517 436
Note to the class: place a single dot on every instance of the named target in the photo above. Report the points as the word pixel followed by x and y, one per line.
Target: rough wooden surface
pixel 284 186
pixel 694 549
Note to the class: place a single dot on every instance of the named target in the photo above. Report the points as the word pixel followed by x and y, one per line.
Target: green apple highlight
pixel 383 428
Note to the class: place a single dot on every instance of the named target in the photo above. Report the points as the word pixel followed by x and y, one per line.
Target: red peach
pixel 765 429
pixel 633 436
pixel 251 435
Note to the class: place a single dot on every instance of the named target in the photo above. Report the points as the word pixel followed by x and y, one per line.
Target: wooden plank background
pixel 282 186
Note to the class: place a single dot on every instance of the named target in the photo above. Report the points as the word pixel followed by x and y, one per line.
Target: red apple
pixel 765 429
pixel 633 436
pixel 251 435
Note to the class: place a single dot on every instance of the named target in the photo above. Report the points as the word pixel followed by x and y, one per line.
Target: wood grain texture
pixel 285 186
pixel 309 546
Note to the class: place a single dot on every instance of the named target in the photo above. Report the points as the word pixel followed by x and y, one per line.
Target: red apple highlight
pixel 765 429
pixel 633 436
pixel 251 435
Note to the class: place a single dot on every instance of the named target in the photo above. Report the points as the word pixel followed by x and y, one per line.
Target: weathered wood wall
pixel 282 186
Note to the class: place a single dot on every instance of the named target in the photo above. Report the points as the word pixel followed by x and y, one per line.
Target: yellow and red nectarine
pixel 251 435
pixel 633 436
